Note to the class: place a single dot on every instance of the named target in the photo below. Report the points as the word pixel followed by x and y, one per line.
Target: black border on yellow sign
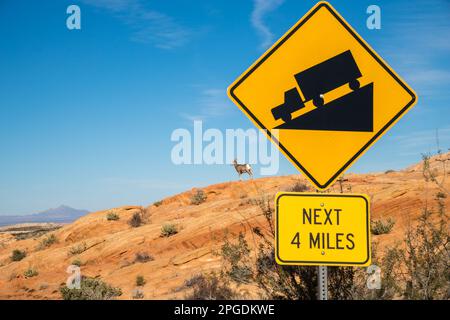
pixel 365 46
pixel 321 195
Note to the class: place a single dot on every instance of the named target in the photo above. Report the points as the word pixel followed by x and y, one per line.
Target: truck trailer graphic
pixel 318 80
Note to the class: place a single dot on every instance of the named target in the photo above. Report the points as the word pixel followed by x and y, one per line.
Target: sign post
pixel 322 279
pixel 323 283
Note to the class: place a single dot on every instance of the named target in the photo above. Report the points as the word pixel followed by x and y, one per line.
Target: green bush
pixel 90 289
pixel 168 230
pixel 18 255
pixel 382 227
pixel 112 216
pixel 237 255
pixel 30 272
pixel 77 249
pixel 198 197
pixel 135 221
pixel 47 241
pixel 140 281
pixel 389 171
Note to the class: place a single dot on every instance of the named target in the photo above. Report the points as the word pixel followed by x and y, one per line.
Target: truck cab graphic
pixel 318 80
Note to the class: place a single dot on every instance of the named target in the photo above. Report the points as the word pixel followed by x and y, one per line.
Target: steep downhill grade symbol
pixel 322 78
pixel 326 91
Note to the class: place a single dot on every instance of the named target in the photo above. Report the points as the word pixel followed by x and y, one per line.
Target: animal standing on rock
pixel 243 168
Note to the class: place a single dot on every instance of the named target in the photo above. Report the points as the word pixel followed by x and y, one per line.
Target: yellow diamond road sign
pixel 323 95
pixel 322 229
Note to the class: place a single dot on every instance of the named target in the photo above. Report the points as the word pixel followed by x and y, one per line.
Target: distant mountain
pixel 62 214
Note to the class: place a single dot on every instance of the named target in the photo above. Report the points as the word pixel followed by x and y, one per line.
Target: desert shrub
pixel 90 289
pixel 157 203
pixel 30 272
pixel 189 283
pixel 389 171
pixel 382 227
pixel 299 187
pixel 18 255
pixel 418 267
pixel 112 216
pixel 208 287
pixel 140 281
pixel 198 197
pixel 143 257
pixel 47 241
pixel 237 257
pixel 136 220
pixel 421 269
pixel 169 229
pixel 77 249
pixel 265 205
pixel 145 215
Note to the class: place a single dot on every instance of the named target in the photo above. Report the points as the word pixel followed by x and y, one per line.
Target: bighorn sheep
pixel 243 168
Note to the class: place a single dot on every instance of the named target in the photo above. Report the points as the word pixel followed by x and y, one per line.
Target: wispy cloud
pixel 423 141
pixel 212 103
pixel 418 44
pixel 429 81
pixel 147 25
pixel 260 9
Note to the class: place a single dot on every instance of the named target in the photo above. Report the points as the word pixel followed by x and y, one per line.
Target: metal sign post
pixel 322 277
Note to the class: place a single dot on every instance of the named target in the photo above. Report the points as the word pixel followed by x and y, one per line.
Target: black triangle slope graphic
pixel 352 112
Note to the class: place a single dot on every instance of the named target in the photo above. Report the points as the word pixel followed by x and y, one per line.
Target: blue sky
pixel 86 115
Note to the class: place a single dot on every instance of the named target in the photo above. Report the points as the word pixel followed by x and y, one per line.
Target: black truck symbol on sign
pixel 318 80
